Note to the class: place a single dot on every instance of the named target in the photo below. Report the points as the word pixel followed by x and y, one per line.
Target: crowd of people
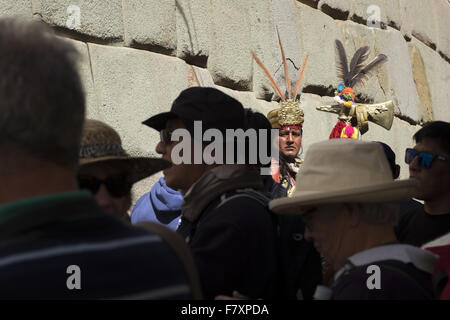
pixel 338 224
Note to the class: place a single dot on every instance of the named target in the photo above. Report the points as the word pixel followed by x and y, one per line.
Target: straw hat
pixel 101 143
pixel 341 170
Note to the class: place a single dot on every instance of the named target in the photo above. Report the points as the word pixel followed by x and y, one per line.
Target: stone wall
pixel 137 55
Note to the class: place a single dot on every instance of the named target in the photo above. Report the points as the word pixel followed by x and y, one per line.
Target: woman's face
pixel 109 185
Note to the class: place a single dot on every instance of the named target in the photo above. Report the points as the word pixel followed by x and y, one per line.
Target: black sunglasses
pixel 425 158
pixel 165 136
pixel 117 186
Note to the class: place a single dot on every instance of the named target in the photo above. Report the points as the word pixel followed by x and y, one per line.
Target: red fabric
pixel 443 264
pixel 336 132
pixel 296 127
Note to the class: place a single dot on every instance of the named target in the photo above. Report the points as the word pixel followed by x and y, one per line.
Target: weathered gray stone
pixel 150 23
pixel 285 20
pixel 265 19
pixel 265 45
pixel 437 72
pixel 360 11
pixel 193 30
pixel 84 69
pixel 418 20
pixel 21 8
pixel 229 62
pixel 131 86
pixel 318 124
pixel 442 16
pixel 318 33
pixel 397 80
pixel 336 9
pixel 97 18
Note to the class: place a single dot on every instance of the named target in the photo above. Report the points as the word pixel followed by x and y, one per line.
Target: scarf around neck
pixel 215 182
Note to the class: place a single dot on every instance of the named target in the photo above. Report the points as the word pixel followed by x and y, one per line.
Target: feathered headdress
pixel 289 113
pixel 353 75
pixel 357 73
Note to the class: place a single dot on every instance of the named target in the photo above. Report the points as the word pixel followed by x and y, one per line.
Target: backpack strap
pixel 249 193
pixel 178 245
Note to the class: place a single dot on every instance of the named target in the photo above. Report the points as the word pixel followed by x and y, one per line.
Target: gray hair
pixel 42 100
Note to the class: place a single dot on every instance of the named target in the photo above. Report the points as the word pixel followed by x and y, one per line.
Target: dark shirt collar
pixel 35 211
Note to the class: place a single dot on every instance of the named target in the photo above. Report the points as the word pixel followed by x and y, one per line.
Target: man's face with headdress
pixel 290 141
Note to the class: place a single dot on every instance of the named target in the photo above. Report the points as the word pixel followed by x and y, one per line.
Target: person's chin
pixel 290 154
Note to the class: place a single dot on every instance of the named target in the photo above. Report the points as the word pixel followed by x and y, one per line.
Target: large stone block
pixel 419 20
pixel 84 69
pixel 359 11
pixel 151 24
pixel 285 20
pixel 442 19
pixel 434 81
pixel 336 9
pixel 193 30
pixel 229 62
pixel 94 18
pixel 317 33
pixel 131 86
pixel 21 8
pixel 265 18
pixel 318 124
pixel 201 77
pixel 397 80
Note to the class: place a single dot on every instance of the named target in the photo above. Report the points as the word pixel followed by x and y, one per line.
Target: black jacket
pixel 234 247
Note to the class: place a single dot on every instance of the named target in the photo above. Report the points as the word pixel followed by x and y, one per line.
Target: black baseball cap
pixel 211 106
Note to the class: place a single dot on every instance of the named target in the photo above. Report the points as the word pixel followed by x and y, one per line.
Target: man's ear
pixel 353 214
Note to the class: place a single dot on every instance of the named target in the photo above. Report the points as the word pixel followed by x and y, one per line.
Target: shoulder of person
pixel 242 207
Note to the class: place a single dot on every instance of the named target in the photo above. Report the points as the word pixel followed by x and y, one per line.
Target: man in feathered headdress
pixel 288 118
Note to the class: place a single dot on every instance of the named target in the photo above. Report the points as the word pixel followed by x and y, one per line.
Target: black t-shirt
pixel 418 227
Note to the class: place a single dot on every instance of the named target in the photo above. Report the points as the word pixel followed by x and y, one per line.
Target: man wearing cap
pixel 351 225
pixel 230 233
pixel 55 241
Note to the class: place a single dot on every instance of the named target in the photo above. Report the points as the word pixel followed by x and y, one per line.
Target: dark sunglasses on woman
pixel 425 159
pixel 117 186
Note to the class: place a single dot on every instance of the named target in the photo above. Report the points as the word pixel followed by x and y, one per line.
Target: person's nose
pixel 308 234
pixel 160 148
pixel 290 137
pixel 414 164
pixel 103 198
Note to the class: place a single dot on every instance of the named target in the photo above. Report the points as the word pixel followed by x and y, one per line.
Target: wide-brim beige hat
pixel 101 143
pixel 344 171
